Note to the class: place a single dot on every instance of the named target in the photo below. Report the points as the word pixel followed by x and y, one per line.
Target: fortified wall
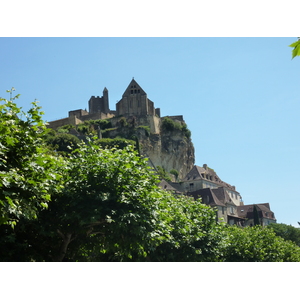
pixel 134 103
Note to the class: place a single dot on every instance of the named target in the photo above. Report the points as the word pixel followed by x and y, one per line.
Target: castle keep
pixel 134 102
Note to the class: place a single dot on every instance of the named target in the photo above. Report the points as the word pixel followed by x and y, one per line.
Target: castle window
pixel 138 91
pixel 135 91
pixel 131 91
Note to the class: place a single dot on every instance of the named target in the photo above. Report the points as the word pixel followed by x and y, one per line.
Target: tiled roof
pixel 222 195
pixel 247 210
pixel 166 186
pixel 195 173
pixel 208 174
pixel 212 198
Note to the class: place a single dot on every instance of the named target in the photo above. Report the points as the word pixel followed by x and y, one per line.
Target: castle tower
pixel 99 104
pixel 135 102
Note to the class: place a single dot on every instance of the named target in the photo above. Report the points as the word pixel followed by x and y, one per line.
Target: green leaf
pixel 296 50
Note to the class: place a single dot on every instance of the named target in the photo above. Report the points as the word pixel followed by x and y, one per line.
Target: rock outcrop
pixel 170 147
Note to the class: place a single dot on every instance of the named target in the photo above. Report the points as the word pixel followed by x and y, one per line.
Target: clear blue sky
pixel 239 97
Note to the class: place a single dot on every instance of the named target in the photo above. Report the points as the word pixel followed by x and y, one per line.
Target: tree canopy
pixel 28 173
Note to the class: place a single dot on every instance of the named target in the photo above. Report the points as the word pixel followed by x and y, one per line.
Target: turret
pixel 99 104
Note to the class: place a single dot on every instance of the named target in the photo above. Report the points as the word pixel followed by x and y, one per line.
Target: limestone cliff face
pixel 170 150
pixel 164 141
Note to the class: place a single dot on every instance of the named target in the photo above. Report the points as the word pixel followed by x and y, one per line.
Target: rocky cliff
pixel 170 147
pixel 171 151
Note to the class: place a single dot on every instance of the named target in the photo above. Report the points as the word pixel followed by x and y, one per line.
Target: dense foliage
pixel 169 124
pixel 62 142
pixel 287 232
pixel 259 244
pixel 28 174
pixel 106 206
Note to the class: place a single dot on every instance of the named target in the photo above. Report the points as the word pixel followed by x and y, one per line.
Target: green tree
pixel 296 50
pixel 28 174
pixel 191 232
pixel 104 209
pixel 258 244
pixel 62 142
pixel 162 173
pixel 175 173
pixel 111 209
pixel 287 232
pixel 114 143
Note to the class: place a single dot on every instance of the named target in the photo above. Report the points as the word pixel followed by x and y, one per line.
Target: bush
pixel 170 125
pixel 63 142
pixel 258 244
pixel 120 143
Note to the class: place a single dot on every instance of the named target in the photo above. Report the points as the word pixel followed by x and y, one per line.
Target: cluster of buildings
pixel 204 183
pixel 200 182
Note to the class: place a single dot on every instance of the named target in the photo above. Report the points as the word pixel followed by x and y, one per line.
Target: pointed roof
pixel 168 187
pixel 133 85
pixel 206 173
pixel 194 173
pixel 222 195
pixel 212 199
pixel 247 210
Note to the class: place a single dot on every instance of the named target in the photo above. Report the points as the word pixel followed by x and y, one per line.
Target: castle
pixel 134 103
pixel 172 152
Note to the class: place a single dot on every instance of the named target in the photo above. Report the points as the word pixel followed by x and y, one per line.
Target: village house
pixel 203 183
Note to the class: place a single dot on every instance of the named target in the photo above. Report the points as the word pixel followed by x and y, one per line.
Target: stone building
pixel 134 102
pixel 99 104
pixel 203 182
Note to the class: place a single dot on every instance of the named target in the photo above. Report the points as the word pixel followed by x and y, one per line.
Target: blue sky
pixel 238 96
